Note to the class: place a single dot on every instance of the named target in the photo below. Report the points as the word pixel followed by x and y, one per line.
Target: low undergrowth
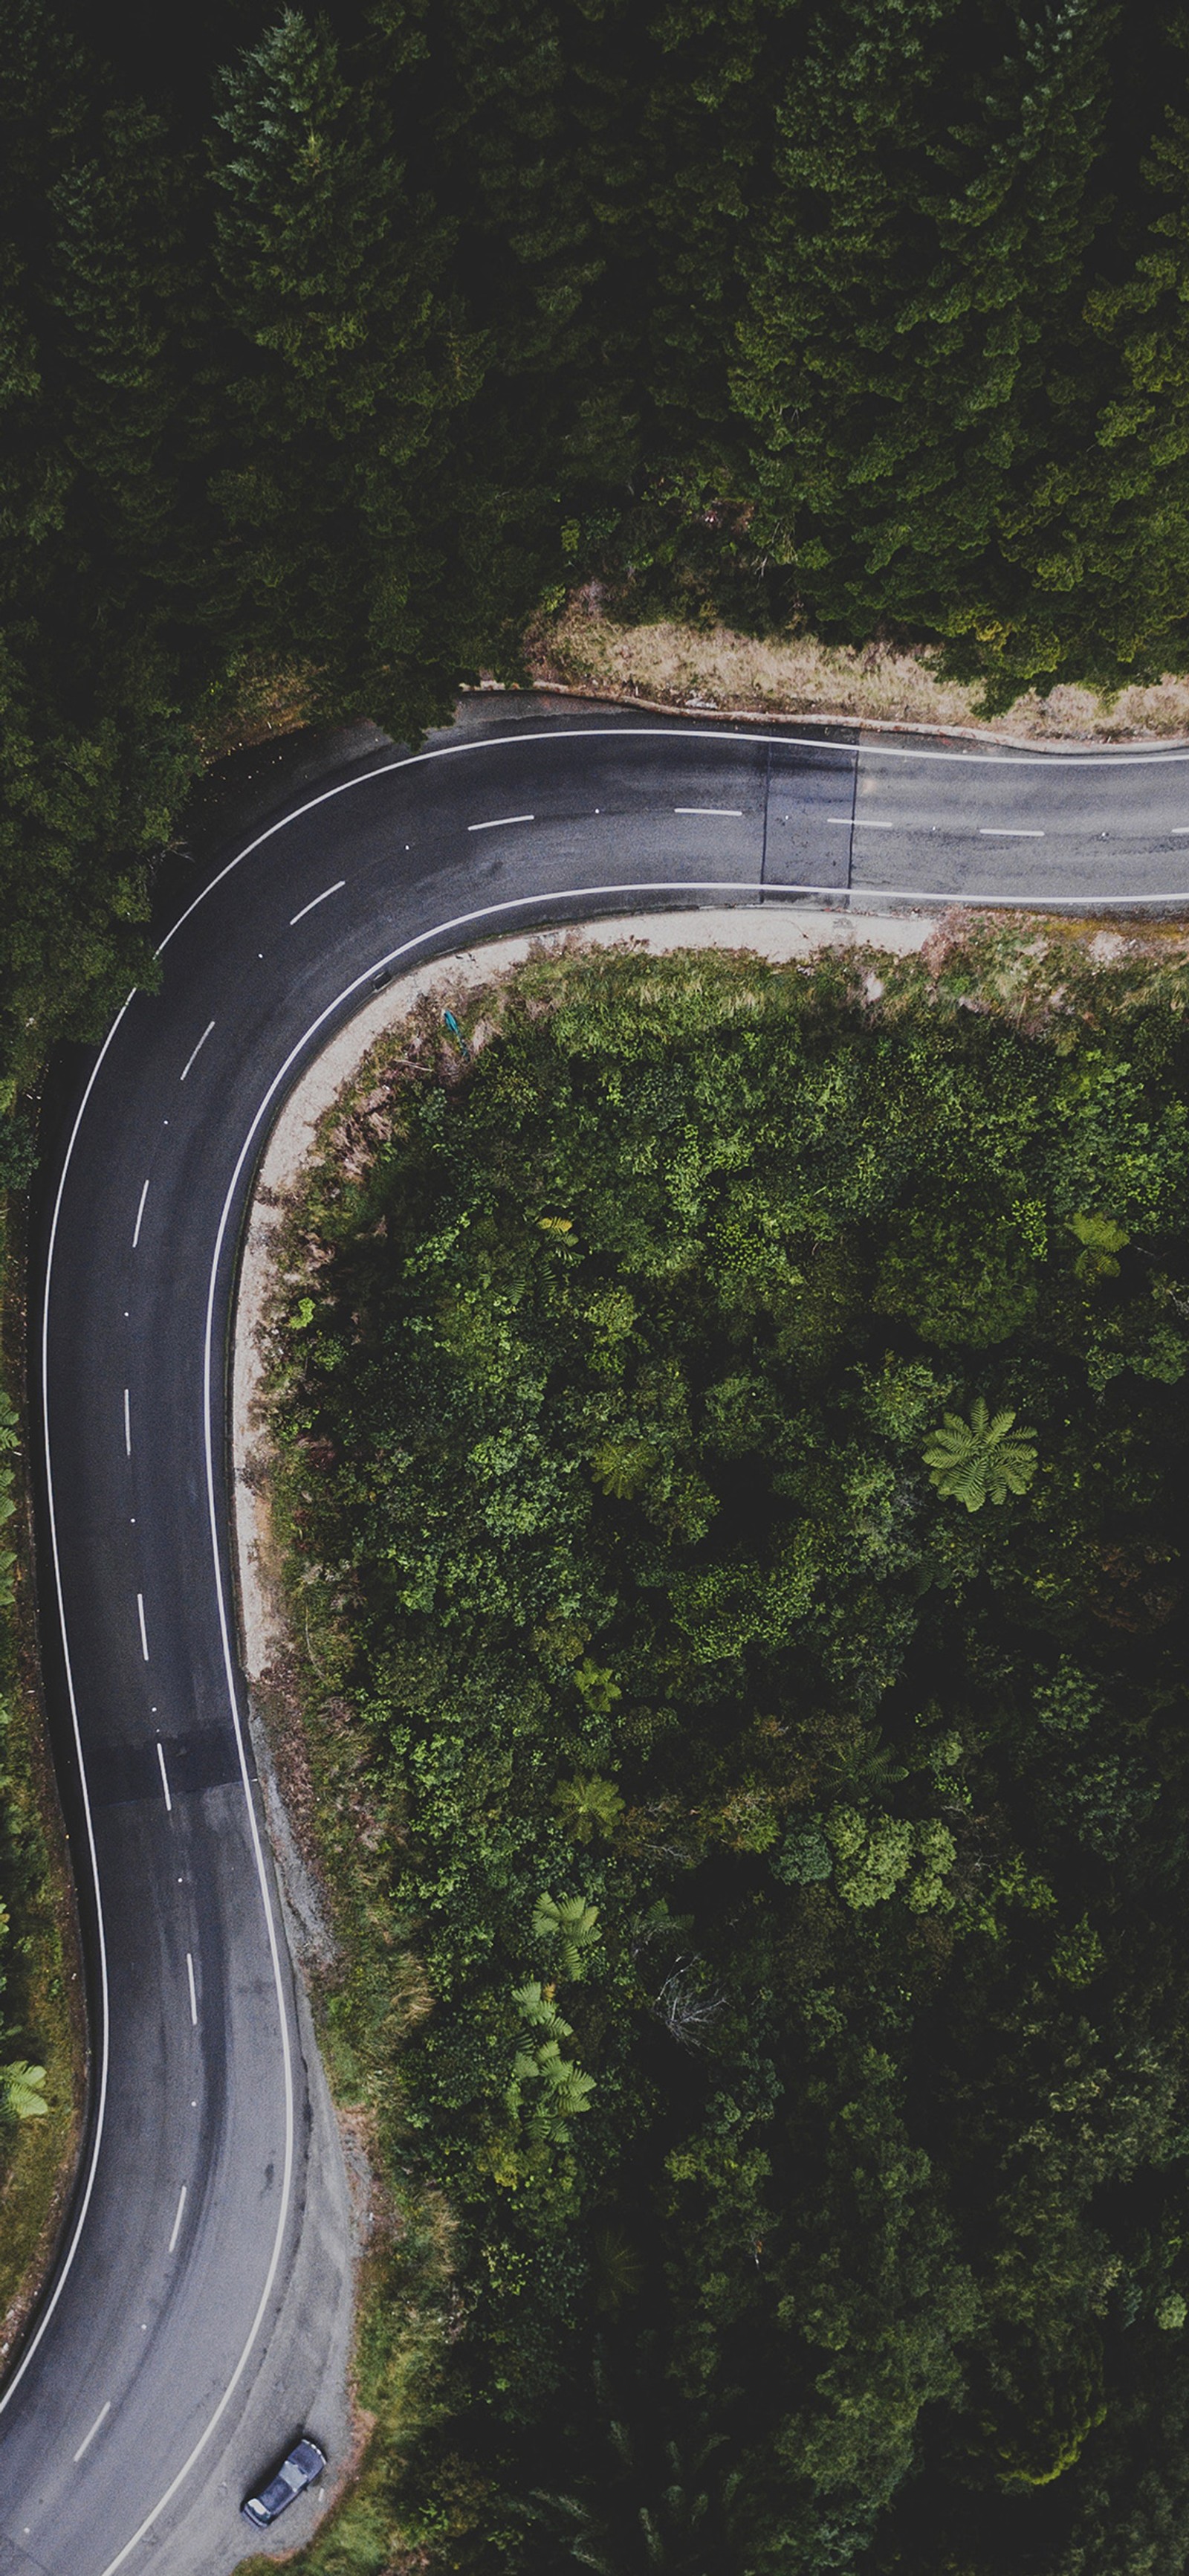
pixel 41 2039
pixel 594 643
pixel 731 1424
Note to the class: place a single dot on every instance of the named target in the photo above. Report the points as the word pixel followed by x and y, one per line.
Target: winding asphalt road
pixel 199 2308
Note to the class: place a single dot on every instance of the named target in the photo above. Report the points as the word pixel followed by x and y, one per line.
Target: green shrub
pixel 796 1863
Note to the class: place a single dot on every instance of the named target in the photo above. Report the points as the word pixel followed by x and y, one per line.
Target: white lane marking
pixel 336 888
pixel 197 1051
pixel 733 812
pixel 860 823
pixel 1008 832
pixel 88 2438
pixel 103 2010
pixel 178 2220
pixel 127 1427
pixel 143 1196
pixel 165 1786
pixel 648 733
pixel 103 2004
pixel 144 1642
pixel 451 751
pixel 193 1995
pixel 498 821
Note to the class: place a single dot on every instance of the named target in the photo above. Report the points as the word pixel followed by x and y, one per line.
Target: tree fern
pixel 571 1922
pixel 983 1460
pixel 22 2089
pixel 1100 1241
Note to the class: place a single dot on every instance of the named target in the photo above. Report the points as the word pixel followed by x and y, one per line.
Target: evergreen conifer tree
pixel 95 658
pixel 935 192
pixel 340 355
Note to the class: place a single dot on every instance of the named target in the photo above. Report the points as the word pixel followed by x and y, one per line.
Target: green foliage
pixel 1100 1241
pixel 564 2088
pixel 796 1863
pixel 569 1922
pixel 331 346
pixel 982 1460
pixel 9 1435
pixel 588 1807
pixel 22 2089
pixel 36 2130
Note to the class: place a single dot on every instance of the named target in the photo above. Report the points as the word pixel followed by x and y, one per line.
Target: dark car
pixel 305 2463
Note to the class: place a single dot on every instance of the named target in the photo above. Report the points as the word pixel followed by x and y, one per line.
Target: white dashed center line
pixel 336 888
pixel 139 1213
pixel 164 1778
pixel 144 1642
pixel 88 2438
pixel 197 1051
pixel 733 813
pixel 193 1994
pixel 127 1427
pixel 859 823
pixel 498 821
pixel 1008 832
pixel 178 2220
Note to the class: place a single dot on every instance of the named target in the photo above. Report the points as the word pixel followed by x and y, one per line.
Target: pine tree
pixel 95 662
pixel 341 354
pixel 934 194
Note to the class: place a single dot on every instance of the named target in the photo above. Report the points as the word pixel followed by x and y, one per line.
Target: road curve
pixel 200 2297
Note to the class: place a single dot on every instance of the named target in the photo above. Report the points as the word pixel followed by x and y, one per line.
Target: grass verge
pixel 714 670
pixel 40 2006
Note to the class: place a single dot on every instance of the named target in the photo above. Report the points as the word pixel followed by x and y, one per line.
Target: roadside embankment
pixel 41 2017
pixel 716 671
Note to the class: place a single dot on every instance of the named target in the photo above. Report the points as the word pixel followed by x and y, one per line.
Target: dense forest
pixel 334 343
pixel 733 1466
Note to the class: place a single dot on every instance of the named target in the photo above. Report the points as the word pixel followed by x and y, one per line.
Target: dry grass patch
pixel 723 672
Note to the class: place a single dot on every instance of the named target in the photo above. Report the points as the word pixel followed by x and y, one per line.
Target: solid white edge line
pixel 127 1426
pixel 336 888
pixel 197 1051
pixel 448 751
pixel 681 733
pixel 193 2025
pixel 144 1193
pixel 175 2231
pixel 88 2438
pixel 165 1786
pixel 498 822
pixel 103 2031
pixel 144 1640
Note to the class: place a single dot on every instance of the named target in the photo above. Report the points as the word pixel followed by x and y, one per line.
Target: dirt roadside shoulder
pixel 718 674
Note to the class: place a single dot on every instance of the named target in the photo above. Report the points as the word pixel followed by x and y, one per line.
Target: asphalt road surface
pixel 198 2316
